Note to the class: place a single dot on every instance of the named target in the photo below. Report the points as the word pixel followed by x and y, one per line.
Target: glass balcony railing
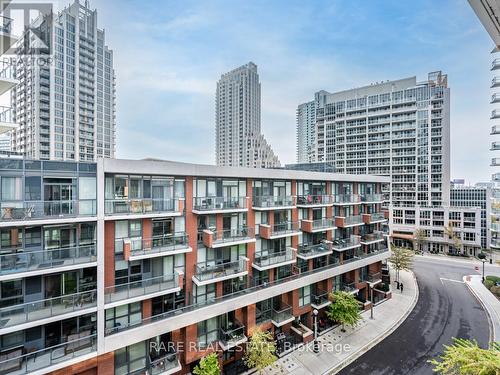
pixel 495 227
pixel 341 244
pixel 347 198
pixel 374 277
pixel 18 363
pixel 219 203
pixel 272 201
pixel 282 314
pixel 495 146
pixel 207 272
pixel 266 259
pixel 319 297
pixel 311 200
pixel 5 24
pixel 157 244
pixel 232 235
pixel 140 288
pixel 42 309
pixel 353 219
pixel 495 64
pixel 495 129
pixel 320 249
pixel 164 364
pixel 348 287
pixel 372 197
pixel 495 162
pixel 252 287
pixel 25 261
pixel 377 216
pixel 370 237
pixel 140 206
pixel 230 336
pixel 495 82
pixel 33 210
pixel 6 70
pixel 323 223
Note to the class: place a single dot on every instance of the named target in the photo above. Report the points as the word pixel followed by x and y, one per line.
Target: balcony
pixel 495 177
pixel 45 309
pixel 349 221
pixel 211 273
pixel 495 64
pixel 142 289
pixel 7 80
pixel 214 205
pixel 495 243
pixel 165 365
pixel 267 259
pixel 347 199
pixel 320 299
pixel 372 198
pixel 156 246
pixel 27 211
pixel 307 252
pixel 495 162
pixel 368 239
pixel 228 237
pixel 39 361
pixel 304 201
pixel 265 203
pixel 349 288
pixel 495 82
pixel 495 227
pixel 318 225
pixel 48 259
pixel 6 38
pixel 495 146
pixel 373 218
pixel 495 129
pixel 374 278
pixel 343 244
pixel 160 207
pixel 232 336
pixel 282 316
pixel 280 230
pixel 495 98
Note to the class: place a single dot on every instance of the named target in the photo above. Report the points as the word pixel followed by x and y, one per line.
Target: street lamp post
pixel 371 299
pixel 315 344
pixel 482 256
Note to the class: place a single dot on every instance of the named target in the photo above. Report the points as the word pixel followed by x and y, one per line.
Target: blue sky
pixel 170 54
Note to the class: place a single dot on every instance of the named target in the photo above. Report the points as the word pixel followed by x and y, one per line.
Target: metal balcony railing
pixel 206 272
pixel 374 277
pixel 266 258
pixel 372 197
pixel 40 359
pixel 43 209
pixel 48 258
pixel 229 336
pixel 219 203
pixel 139 288
pixel 347 198
pixel 46 308
pixel 5 25
pixel 353 219
pixel 285 227
pixel 231 235
pixel 348 287
pixel 323 223
pixel 163 364
pixel 377 216
pixel 319 297
pixel 140 206
pixel 268 201
pixel 306 250
pixel 375 236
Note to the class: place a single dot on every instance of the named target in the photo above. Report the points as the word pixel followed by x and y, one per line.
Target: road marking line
pixel 453 280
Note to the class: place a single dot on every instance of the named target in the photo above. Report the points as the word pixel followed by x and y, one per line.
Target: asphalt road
pixel 445 309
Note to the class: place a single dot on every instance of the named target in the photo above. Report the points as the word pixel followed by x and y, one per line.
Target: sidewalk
pixel 490 303
pixel 338 349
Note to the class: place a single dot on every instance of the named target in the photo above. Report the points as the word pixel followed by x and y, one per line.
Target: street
pixel 445 309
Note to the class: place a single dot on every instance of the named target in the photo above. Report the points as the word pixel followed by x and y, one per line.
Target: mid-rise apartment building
pixel 132 267
pixel 238 138
pixel 66 109
pixel 478 196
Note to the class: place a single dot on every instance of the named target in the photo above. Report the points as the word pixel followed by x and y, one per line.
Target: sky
pixel 170 54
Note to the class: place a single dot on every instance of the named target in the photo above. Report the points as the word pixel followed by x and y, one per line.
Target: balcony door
pixel 59 194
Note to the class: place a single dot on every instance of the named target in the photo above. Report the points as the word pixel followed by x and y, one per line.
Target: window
pixel 123 316
pixel 87 195
pixel 207 332
pixel 11 188
pixel 130 359
pixel 32 188
pixel 11 293
pixel 305 296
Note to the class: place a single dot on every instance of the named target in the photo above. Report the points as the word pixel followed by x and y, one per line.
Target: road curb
pixel 376 340
pixel 488 314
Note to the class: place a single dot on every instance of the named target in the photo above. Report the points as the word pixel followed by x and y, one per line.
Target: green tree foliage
pixel 209 365
pixel 344 309
pixel 401 259
pixel 465 357
pixel 260 351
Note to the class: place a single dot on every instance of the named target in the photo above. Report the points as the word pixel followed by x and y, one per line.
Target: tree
pixel 260 350
pixel 455 240
pixel 209 365
pixel 465 357
pixel 344 309
pixel 418 238
pixel 401 259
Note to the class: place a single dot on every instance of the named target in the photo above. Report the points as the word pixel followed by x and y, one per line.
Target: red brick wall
pixel 191 230
pixel 109 253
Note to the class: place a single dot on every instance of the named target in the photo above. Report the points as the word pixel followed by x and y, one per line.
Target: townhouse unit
pixel 144 267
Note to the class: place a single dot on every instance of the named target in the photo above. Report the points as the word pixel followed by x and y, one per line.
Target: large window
pixel 207 332
pixel 305 296
pixel 11 188
pixel 130 359
pixel 123 316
